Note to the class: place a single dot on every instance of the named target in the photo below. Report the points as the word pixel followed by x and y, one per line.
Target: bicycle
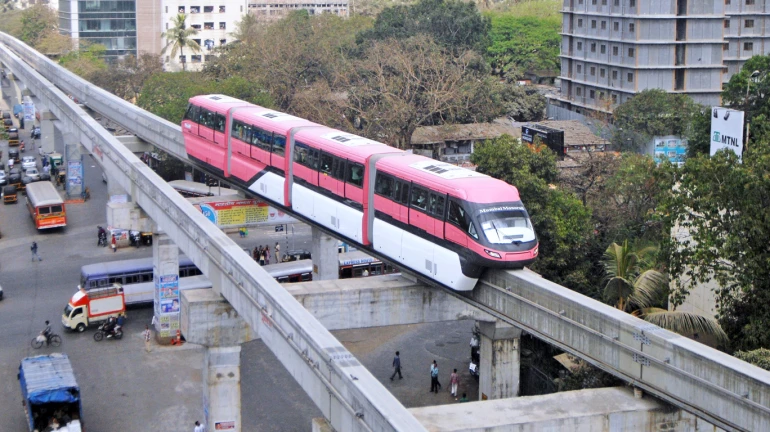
pixel 54 340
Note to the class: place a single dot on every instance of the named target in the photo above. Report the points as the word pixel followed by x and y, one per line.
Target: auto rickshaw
pixel 9 194
pixel 7 124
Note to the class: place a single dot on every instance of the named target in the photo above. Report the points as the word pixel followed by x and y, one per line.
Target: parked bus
pixel 190 189
pixel 45 205
pixel 351 265
pixel 136 276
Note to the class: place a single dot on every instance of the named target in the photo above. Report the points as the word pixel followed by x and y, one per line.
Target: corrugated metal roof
pixel 47 373
pixel 575 133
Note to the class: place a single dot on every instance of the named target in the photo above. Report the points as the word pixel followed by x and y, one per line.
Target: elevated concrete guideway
pixel 720 388
pixel 345 392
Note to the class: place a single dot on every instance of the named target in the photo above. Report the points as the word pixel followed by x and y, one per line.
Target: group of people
pixel 435 385
pixel 261 254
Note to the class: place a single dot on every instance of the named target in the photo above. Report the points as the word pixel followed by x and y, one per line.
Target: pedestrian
pixel 262 257
pixel 33 248
pixel 114 244
pixel 267 255
pixel 147 334
pixel 240 232
pixel 397 367
pixel 199 427
pixel 277 252
pixel 454 380
pixel 434 377
pixel 255 254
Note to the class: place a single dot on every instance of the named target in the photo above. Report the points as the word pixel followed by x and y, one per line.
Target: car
pixel 3 178
pixel 1 293
pixel 33 174
pixel 28 162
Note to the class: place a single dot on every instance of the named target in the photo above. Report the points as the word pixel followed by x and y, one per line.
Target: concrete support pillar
pixel 222 388
pixel 165 263
pixel 73 164
pixel 114 189
pixel 48 132
pixel 325 256
pixel 500 360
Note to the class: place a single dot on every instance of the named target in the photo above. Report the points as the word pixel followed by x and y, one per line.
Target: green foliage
pixel 560 220
pixel 10 21
pixel 545 9
pixel 166 94
pixel 36 22
pixel 758 357
pixel 88 63
pixel 179 37
pixel 521 44
pixel 453 24
pixel 722 206
pixel 699 135
pixel 522 103
pixel 752 95
pixel 652 113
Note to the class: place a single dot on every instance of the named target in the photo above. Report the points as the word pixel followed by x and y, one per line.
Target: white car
pixel 28 162
pixel 3 178
pixel 33 174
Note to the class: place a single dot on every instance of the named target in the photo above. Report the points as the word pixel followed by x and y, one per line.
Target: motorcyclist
pixel 109 326
pixel 102 236
pixel 119 325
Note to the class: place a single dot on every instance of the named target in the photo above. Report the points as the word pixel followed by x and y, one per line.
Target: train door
pixel 219 130
pixel 206 121
pixel 189 123
pixel 261 144
pixel 354 182
pixel 401 198
pixel 418 209
pixel 436 208
pixel 277 158
pixel 325 178
pixel 305 163
pixel 454 222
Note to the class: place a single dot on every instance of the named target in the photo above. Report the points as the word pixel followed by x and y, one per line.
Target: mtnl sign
pixel 726 130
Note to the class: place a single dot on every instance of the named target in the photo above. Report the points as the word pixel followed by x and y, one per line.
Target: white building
pixel 215 20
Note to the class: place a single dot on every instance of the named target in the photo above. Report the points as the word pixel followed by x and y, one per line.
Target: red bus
pixel 444 222
pixel 46 205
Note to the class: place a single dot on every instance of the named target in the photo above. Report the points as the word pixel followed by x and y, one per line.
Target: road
pixel 123 388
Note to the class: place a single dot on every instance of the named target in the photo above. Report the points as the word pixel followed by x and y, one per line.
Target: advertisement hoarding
pixel 726 130
pixel 234 213
pixel 670 147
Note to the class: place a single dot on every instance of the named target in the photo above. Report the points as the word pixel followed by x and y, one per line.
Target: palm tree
pixel 634 287
pixel 178 37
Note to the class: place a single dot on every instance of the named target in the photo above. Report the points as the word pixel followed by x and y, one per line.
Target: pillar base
pixel 499 373
pixel 222 388
pixel 326 265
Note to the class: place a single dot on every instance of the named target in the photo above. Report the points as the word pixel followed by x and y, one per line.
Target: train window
pixel 401 194
pixel 246 134
pixel 338 169
pixel 437 205
pixel 262 139
pixel 191 113
pixel 419 198
pixel 355 174
pixel 219 123
pixel 237 131
pixel 458 216
pixel 203 116
pixel 383 185
pixel 279 144
pixel 327 161
pixel 306 155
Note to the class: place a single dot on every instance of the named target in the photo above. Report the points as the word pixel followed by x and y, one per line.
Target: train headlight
pixel 536 250
pixel 493 254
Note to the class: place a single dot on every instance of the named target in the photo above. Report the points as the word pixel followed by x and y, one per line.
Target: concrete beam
pixel 608 409
pixel 135 144
pixel 207 319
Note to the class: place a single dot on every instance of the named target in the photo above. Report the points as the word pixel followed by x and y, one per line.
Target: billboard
pixel 552 138
pixel 670 147
pixel 242 212
pixel 726 130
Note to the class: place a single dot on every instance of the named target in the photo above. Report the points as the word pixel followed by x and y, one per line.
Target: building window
pixel 631 52
pixel 593 2
pixel 208 9
pixel 593 46
pixel 593 70
pixel 602 72
pixel 195 59
pixel 614 50
pixel 182 59
pixel 580 46
pixel 604 25
pixel 616 26
pixel 617 2
pixel 166 9
pixel 614 75
pixel 604 49
pixel 632 27
pixel 727 2
pixel 727 23
pixel 601 95
pixel 166 26
pixel 725 47
pixel 593 24
pixel 195 9
pixel 223 26
pixel 579 68
pixel 632 3
pixel 604 2
pixel 181 9
pixel 749 2
pixel 748 46
pixel 614 98
pixel 749 23
pixel 580 22
pixel 592 94
pixel 579 91
pixel 630 77
pixel 222 41
pixel 208 26
pixel 221 9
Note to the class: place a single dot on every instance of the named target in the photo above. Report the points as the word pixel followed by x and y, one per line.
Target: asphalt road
pixel 123 388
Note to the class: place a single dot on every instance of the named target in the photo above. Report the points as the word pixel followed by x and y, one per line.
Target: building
pixel 613 49
pixel 272 10
pixel 111 23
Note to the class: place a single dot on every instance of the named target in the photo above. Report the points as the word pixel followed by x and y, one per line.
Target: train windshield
pixel 506 224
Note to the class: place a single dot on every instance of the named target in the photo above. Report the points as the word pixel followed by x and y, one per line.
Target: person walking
pixel 114 244
pixel 454 380
pixel 262 257
pixel 434 377
pixel 255 253
pixel 397 367
pixel 267 255
pixel 147 335
pixel 33 248
pixel 277 253
pixel 199 427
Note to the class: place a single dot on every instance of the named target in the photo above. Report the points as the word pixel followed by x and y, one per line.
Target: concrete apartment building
pixel 612 49
pixel 272 10
pixel 111 23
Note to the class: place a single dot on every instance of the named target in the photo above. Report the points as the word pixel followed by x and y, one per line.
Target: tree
pixel 699 135
pixel 652 113
pixel 634 287
pixel 179 37
pixel 88 62
pixel 399 85
pixel 720 210
pixel 560 220
pixel 522 103
pixel 37 21
pixel 752 95
pixel 126 77
pixel 453 24
pixel 759 357
pixel 521 44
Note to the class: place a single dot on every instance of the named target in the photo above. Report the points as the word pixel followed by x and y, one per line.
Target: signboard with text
pixel 670 147
pixel 242 212
pixel 726 130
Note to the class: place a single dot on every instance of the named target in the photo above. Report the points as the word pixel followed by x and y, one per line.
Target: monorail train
pixel 441 221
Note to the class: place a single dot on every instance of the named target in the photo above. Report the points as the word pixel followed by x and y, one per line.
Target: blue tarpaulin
pixel 18 108
pixel 46 379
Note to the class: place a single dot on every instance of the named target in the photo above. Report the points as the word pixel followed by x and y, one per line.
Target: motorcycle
pixel 53 340
pixel 116 333
pixel 102 237
pixel 473 367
